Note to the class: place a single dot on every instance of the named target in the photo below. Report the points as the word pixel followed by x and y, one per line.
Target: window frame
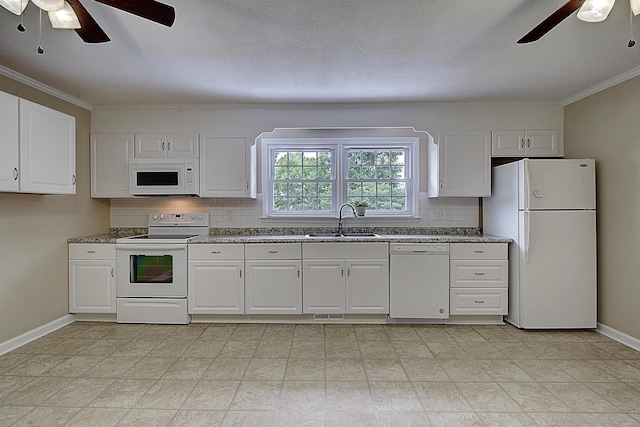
pixel 341 140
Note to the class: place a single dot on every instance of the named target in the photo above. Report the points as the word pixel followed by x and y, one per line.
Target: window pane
pixel 324 204
pixel 310 203
pixel 324 158
pixel 397 172
pixel 310 189
pixel 382 172
pixel 382 158
pixel 397 158
pixel 354 172
pixel 295 189
pixel 368 157
pixel 295 158
pixel 281 172
pixel 398 204
pixel 354 189
pixel 368 172
pixel 295 204
pixel 310 158
pixel 279 203
pixel 369 188
pixel 280 189
pixel 309 173
pixel 324 172
pixel 399 189
pixel 353 158
pixel 295 172
pixel 325 189
pixel 384 189
pixel 384 203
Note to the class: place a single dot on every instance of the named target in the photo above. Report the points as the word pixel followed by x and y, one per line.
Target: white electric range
pixel 152 269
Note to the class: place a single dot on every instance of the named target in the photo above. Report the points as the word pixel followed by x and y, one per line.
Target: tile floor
pixel 98 374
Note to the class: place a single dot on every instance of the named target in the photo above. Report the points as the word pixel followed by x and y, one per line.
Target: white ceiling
pixel 324 51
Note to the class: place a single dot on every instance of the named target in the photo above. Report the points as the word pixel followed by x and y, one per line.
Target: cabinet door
pixel 92 286
pixel 47 150
pixel 323 287
pixel 150 145
pixel 463 167
pixel 225 167
pixel 273 287
pixel 110 155
pixel 507 143
pixel 9 142
pixel 216 287
pixel 542 143
pixel 183 145
pixel 367 286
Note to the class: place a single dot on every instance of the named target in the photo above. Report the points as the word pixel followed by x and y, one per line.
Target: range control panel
pixel 190 219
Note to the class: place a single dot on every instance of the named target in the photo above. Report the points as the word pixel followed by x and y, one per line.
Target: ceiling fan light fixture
pixel 49 5
pixel 595 10
pixel 65 18
pixel 14 6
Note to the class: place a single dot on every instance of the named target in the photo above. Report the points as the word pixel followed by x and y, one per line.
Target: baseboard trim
pixel 36 333
pixel 621 337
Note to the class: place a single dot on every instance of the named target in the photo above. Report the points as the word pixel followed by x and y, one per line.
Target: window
pixel 312 176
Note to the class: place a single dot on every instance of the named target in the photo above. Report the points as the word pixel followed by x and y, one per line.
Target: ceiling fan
pixel 590 11
pixel 71 14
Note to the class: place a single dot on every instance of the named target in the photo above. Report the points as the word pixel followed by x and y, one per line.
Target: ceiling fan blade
pixel 148 9
pixel 90 31
pixel 552 20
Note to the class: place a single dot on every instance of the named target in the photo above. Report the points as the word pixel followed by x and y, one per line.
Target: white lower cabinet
pixel 273 282
pixel 92 278
pixel 216 279
pixel 478 278
pixel 349 278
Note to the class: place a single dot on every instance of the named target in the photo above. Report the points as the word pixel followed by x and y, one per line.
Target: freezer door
pixel 557 283
pixel 557 184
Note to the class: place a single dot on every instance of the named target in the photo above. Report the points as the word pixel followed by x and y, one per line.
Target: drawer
pixel 478 274
pixel 92 251
pixel 216 251
pixel 259 251
pixel 478 301
pixel 478 251
pixel 375 250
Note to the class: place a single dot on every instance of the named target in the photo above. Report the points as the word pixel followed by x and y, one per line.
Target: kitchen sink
pixel 342 235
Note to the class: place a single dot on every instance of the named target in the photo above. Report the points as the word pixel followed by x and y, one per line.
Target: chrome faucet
pixel 340 220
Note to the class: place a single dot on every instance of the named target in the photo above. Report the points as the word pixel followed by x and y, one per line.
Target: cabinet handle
pixel 168 146
pixel 342 272
pixel 441 183
pixel 163 146
pixel 479 274
pixel 247 185
pixel 273 252
pixel 528 142
pixel 15 174
pixel 298 273
pixel 479 301
pixel 348 272
pixel 112 272
pixel 215 252
pixel 241 273
pixel 73 179
pixel 522 143
pixel 91 252
pixel 478 252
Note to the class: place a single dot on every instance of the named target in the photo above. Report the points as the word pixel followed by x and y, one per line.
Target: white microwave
pixel 164 177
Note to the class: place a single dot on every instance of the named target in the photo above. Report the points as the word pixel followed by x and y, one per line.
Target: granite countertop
pixel 402 235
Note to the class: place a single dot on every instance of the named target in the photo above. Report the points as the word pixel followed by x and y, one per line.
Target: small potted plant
pixel 361 207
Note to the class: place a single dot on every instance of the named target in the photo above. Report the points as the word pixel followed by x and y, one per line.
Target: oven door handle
pixel 156 247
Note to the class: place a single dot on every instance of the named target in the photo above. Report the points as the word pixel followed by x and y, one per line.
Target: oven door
pixel 149 271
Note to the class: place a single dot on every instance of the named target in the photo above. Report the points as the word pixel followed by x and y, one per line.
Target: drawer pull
pixel 479 301
pixel 478 251
pixel 91 252
pixel 216 252
pixel 478 274
pixel 273 252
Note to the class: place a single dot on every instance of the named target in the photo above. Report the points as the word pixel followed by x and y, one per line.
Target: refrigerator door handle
pixel 527 185
pixel 527 235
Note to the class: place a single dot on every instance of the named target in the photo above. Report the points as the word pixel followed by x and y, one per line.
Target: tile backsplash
pixel 235 213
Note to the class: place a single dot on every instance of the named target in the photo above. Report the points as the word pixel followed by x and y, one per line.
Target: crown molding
pixel 7 72
pixel 635 72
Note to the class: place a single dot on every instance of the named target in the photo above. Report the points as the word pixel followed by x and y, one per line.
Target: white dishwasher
pixel 419 281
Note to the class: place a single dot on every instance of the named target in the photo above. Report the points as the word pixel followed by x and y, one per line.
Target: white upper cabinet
pixel 526 143
pixel 227 167
pixel 9 143
pixel 38 147
pixel 110 155
pixel 459 164
pixel 182 145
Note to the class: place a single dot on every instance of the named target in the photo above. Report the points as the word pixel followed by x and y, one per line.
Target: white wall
pixel 605 127
pixel 251 120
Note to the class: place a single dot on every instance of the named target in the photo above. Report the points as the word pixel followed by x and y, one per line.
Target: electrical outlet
pixel 447 215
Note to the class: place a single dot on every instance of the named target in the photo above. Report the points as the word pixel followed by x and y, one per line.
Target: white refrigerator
pixel 548 208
